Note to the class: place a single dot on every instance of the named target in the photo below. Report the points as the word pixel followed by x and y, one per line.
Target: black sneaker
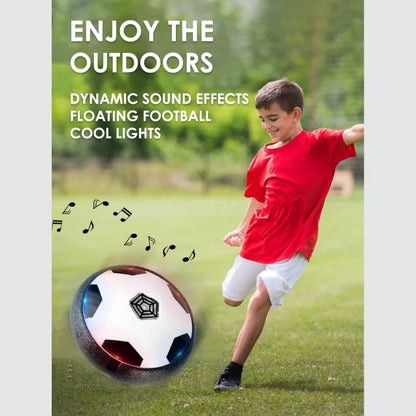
pixel 227 381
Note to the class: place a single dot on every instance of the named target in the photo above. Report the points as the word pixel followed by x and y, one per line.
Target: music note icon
pixel 124 211
pixel 167 248
pixel 191 257
pixel 129 241
pixel 90 228
pixel 96 203
pixel 58 223
pixel 151 241
pixel 67 210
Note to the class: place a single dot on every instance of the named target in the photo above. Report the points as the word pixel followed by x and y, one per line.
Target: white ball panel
pixel 115 319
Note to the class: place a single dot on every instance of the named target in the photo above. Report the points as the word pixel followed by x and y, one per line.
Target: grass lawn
pixel 309 359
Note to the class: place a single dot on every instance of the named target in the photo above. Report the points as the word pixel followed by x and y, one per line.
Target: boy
pixel 287 183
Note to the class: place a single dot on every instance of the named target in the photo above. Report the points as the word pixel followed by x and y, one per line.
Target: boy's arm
pixel 354 134
pixel 235 238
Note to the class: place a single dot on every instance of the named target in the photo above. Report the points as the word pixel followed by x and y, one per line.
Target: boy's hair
pixel 287 94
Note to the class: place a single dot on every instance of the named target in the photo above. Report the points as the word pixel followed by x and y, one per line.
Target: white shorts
pixel 279 278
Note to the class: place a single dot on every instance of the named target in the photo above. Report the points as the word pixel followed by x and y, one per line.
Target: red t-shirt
pixel 292 181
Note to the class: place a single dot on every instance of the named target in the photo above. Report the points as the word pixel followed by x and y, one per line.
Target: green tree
pixel 317 43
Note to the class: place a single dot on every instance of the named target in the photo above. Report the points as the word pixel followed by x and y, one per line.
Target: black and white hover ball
pixel 132 324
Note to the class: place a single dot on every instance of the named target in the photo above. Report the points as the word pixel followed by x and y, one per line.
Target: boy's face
pixel 278 124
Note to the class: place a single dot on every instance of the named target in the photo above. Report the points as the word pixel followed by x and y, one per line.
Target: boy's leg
pixel 238 283
pixel 257 311
pixel 280 280
pixel 273 284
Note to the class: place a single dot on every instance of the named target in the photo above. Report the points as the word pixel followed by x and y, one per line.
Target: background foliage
pixel 316 43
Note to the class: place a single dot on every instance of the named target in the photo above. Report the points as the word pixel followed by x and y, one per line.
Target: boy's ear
pixel 297 114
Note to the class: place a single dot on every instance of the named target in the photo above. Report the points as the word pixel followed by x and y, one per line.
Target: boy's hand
pixel 234 238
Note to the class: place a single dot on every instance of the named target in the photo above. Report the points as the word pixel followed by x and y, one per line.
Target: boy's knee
pixel 260 301
pixel 233 303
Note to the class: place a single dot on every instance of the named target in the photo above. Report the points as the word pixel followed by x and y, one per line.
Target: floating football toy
pixel 132 324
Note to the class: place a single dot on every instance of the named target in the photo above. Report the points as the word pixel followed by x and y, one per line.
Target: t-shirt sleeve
pixel 255 187
pixel 334 145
